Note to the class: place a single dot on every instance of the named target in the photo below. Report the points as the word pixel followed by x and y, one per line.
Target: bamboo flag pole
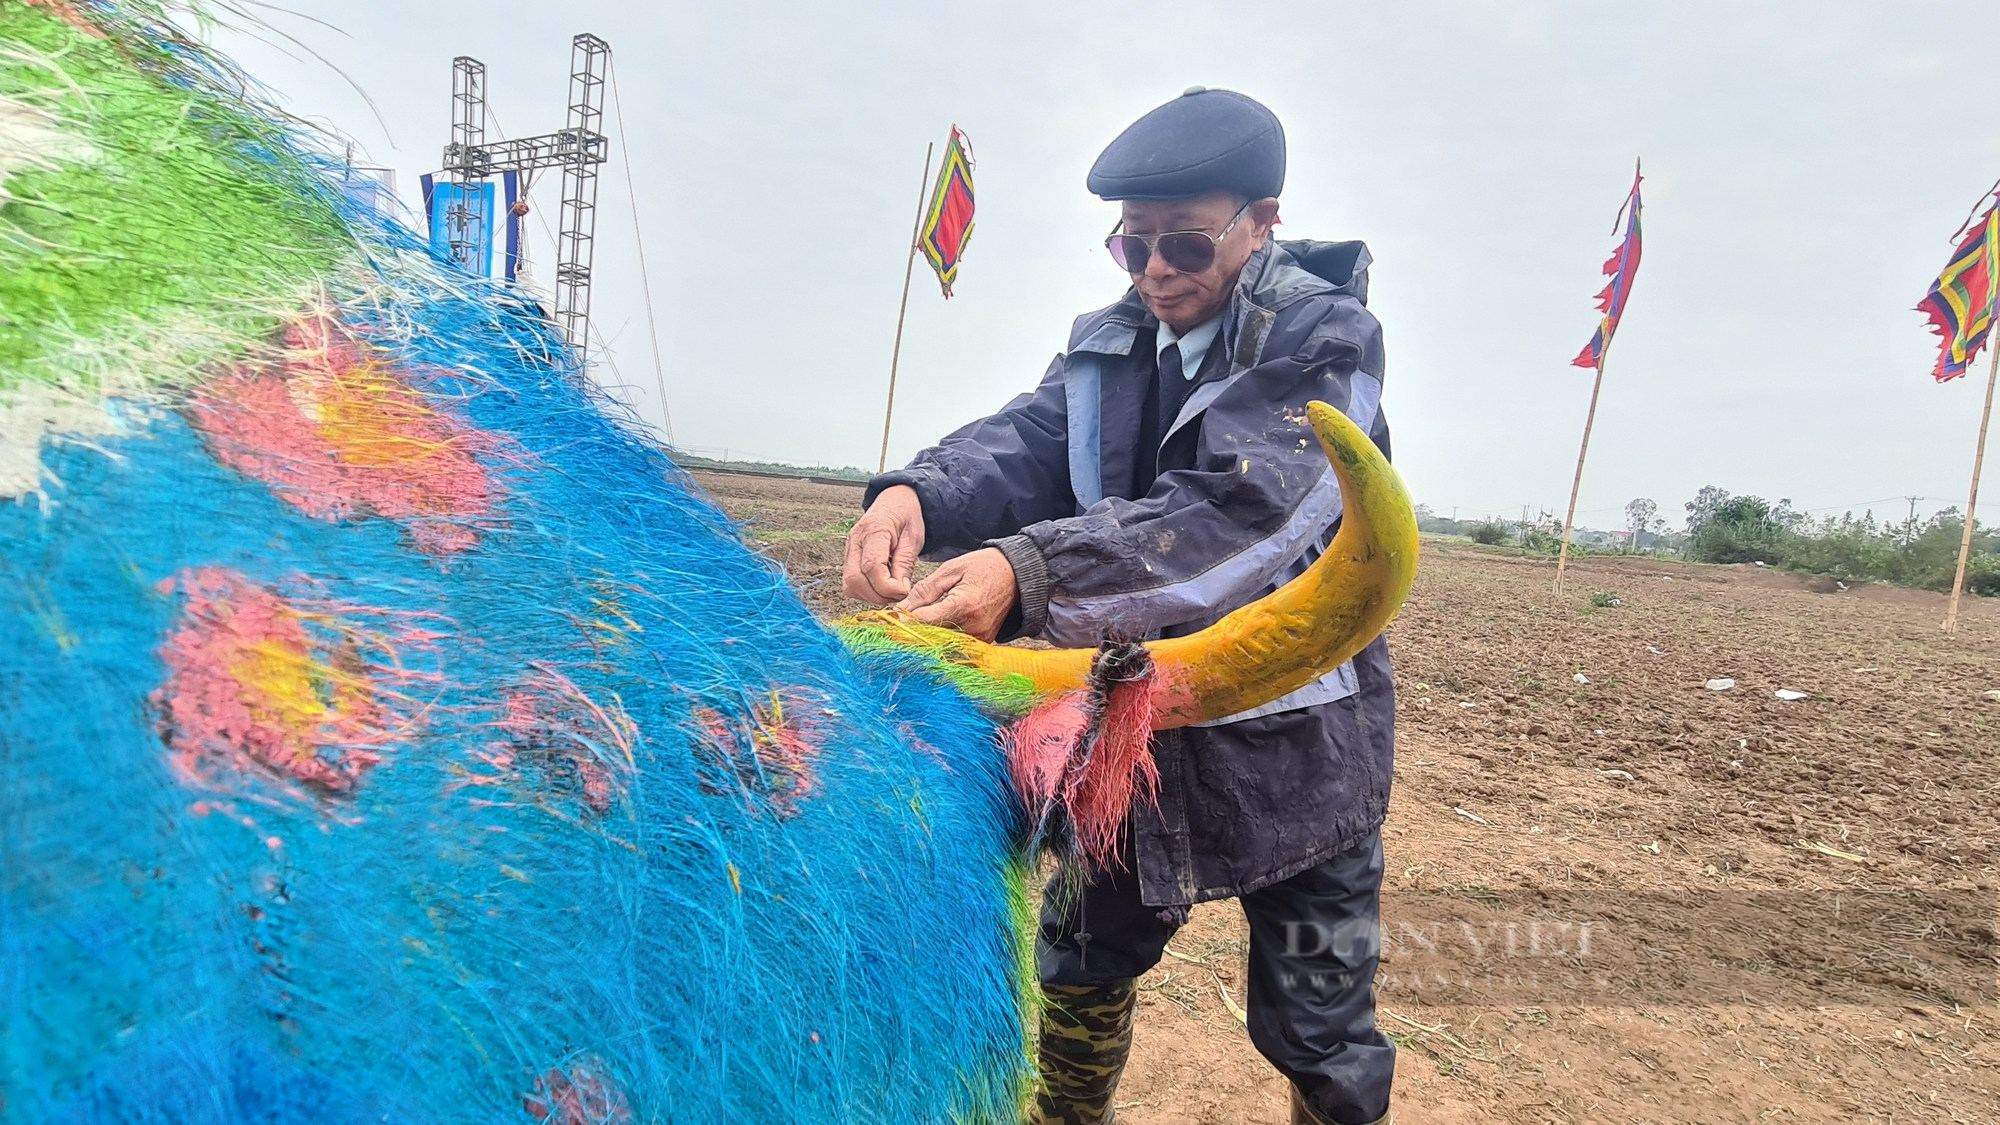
pixel 896 355
pixel 1622 268
pixel 1576 485
pixel 1978 462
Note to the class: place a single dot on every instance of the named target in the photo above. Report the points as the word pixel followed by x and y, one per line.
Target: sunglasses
pixel 1187 251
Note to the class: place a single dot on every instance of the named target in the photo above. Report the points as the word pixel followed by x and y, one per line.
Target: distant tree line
pixel 839 472
pixel 1923 553
pixel 1722 528
pixel 1541 533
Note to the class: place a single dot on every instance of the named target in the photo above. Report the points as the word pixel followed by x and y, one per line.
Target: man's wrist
pixel 1031 583
pixel 889 482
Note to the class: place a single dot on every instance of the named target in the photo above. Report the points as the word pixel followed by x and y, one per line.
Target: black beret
pixel 1202 141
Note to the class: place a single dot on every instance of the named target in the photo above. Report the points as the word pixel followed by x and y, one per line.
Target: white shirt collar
pixel 1194 345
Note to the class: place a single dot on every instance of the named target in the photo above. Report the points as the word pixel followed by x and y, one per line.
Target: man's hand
pixel 972 592
pixel 883 547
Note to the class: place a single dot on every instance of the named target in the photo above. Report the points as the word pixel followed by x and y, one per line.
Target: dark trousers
pixel 1314 942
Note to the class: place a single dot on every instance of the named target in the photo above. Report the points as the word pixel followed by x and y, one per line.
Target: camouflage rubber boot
pixel 1086 1034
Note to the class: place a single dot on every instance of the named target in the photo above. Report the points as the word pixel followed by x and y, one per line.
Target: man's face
pixel 1183 300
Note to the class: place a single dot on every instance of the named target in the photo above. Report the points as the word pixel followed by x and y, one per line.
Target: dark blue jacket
pixel 1244 501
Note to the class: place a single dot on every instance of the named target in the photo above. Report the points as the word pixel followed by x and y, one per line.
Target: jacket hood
pixel 1344 265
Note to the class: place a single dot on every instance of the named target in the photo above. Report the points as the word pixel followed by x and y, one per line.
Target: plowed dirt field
pixel 1614 894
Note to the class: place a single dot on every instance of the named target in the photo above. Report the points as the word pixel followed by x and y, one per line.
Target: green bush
pixel 1982 575
pixel 1848 551
pixel 1735 529
pixel 1491 534
pixel 1542 541
pixel 1739 529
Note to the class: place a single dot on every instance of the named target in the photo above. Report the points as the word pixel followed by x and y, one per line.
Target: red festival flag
pixel 947 226
pixel 1961 301
pixel 1621 268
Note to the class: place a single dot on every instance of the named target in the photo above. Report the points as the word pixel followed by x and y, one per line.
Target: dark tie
pixel 1173 387
pixel 1169 391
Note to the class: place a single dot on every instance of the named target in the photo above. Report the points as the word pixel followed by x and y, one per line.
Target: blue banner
pixel 461 223
pixel 512 181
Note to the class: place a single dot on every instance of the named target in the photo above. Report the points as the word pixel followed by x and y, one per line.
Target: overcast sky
pixel 1806 163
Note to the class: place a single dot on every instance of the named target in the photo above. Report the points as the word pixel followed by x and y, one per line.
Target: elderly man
pixel 1161 475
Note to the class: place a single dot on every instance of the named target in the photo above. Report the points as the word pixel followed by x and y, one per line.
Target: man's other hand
pixel 973 593
pixel 883 547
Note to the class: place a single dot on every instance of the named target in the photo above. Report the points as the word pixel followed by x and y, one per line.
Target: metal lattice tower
pixel 466 219
pixel 590 58
pixel 577 149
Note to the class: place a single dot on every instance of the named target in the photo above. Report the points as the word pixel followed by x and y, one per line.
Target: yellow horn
pixel 1271 647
